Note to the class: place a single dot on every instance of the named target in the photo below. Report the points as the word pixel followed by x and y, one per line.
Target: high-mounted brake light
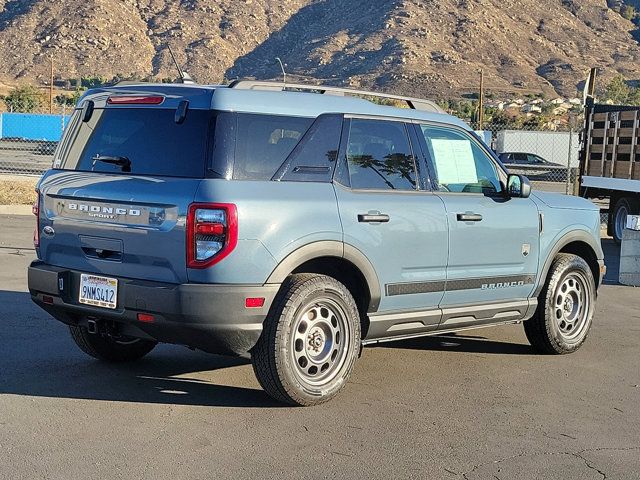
pixel 35 209
pixel 135 100
pixel 212 233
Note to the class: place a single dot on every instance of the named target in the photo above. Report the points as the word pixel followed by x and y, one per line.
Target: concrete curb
pixel 15 210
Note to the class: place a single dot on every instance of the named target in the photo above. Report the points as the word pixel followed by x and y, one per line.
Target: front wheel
pixel 310 341
pixel 566 304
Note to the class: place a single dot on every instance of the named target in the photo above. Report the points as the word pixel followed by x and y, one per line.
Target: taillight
pixel 212 233
pixel 35 209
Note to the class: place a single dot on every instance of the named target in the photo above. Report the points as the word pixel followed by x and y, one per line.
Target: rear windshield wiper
pixel 123 162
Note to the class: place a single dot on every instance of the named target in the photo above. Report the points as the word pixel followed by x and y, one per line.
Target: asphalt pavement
pixel 479 405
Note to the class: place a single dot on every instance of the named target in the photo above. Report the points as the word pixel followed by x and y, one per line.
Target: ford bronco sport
pixel 293 225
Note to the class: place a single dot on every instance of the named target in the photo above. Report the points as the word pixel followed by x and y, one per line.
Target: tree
pixel 71 100
pixel 617 90
pixel 634 96
pixel 92 82
pixel 25 99
pixel 628 12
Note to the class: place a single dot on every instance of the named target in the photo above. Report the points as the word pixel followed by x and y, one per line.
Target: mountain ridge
pixel 416 47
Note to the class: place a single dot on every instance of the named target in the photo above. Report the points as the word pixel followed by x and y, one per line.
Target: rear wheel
pixel 104 347
pixel 623 207
pixel 310 341
pixel 563 318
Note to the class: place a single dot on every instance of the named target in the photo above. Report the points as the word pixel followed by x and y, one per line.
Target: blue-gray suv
pixel 294 225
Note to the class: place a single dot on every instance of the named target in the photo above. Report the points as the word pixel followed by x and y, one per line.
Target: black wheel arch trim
pixel 568 238
pixel 331 248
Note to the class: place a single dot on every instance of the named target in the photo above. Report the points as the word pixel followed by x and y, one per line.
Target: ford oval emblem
pixel 49 231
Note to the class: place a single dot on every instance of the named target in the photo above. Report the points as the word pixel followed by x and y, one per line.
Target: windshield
pixel 147 140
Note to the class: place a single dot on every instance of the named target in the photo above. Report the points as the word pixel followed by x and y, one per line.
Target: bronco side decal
pixel 488 283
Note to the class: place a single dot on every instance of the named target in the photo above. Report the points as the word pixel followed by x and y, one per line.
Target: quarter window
pixel 314 158
pixel 379 156
pixel 461 165
pixel 264 142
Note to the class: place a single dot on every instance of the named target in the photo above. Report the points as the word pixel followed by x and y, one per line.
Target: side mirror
pixel 518 186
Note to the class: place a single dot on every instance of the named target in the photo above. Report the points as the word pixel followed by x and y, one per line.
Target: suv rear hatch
pixel 124 175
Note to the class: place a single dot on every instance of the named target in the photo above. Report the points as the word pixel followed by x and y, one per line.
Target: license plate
pixel 98 291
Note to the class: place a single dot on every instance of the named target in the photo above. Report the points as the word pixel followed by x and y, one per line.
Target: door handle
pixel 469 217
pixel 373 218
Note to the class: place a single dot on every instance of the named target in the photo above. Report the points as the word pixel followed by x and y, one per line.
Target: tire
pixel 566 304
pixel 310 341
pixel 624 206
pixel 108 349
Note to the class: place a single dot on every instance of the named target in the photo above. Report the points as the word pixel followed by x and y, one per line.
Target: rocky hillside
pixel 422 47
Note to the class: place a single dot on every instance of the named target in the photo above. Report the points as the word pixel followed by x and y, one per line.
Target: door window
pixel 461 165
pixel 534 159
pixel 379 156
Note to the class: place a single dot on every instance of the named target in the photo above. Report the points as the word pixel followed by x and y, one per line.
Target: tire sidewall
pixel 562 269
pixel 621 203
pixel 308 294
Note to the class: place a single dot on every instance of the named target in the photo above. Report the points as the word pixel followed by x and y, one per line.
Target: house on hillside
pixel 561 110
pixel 531 109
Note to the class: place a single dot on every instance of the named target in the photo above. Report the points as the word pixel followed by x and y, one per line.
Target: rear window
pixel 149 138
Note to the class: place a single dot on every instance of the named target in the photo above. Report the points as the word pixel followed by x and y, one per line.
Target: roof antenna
pixel 284 74
pixel 184 76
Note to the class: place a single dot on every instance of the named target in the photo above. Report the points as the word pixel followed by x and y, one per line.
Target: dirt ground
pixel 17 191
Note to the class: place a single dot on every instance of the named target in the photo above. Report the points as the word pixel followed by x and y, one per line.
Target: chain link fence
pixel 549 158
pixel 30 129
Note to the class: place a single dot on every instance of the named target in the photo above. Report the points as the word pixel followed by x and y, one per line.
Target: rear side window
pixel 263 143
pixel 149 138
pixel 379 156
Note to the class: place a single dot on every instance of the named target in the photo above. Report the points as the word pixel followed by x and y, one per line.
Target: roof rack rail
pixel 414 103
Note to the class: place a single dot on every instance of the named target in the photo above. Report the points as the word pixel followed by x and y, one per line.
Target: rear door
pixel 117 199
pixel 493 239
pixel 399 226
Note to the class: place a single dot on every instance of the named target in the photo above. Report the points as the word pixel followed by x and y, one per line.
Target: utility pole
pixel 592 83
pixel 481 102
pixel 51 88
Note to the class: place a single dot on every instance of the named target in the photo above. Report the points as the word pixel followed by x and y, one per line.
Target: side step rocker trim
pixel 435 332
pixel 431 330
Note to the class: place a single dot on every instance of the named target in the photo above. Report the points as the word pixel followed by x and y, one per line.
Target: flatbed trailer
pixel 610 161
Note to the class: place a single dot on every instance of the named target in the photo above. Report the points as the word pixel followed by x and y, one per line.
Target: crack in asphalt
pixel 578 454
pixel 592 467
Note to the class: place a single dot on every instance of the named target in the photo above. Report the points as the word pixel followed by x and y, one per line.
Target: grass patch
pixel 17 191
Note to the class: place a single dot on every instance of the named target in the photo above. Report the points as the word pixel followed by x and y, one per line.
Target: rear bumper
pixel 212 318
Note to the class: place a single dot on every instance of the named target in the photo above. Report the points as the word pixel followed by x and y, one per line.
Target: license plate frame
pixel 98 291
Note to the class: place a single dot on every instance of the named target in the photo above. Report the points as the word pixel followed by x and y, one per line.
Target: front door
pixel 400 228
pixel 493 239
